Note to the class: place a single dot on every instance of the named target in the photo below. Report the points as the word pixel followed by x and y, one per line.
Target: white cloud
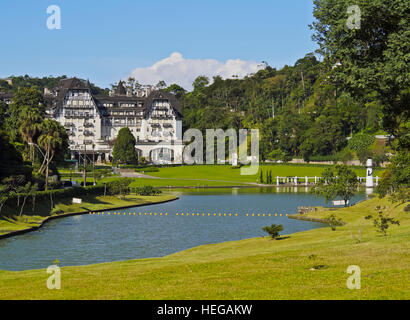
pixel 177 69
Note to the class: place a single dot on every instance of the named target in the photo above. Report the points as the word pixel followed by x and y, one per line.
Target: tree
pixel 27 191
pixel 33 194
pixel 14 184
pixel 337 181
pixel 273 230
pixel 360 142
pixel 200 82
pixel 11 161
pixel 30 126
pixel 176 90
pixel 371 56
pixel 119 186
pixel 3 112
pixel 53 139
pixel 24 98
pixel 334 222
pixel 161 85
pixel 147 191
pixel 124 147
pixel 4 195
pixel 395 179
pixel 382 222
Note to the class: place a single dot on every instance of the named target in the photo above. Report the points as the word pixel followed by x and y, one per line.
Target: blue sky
pixel 106 40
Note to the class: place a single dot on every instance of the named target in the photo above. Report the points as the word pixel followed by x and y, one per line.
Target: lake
pixel 89 239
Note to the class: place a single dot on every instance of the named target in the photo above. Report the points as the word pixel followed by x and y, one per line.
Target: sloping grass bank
pixel 10 221
pixel 258 268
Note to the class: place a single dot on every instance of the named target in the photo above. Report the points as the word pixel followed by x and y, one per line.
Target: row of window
pixel 75 103
pixel 125 105
pixel 69 114
pixel 74 93
pixel 122 113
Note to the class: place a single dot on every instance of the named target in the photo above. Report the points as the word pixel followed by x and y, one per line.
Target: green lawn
pixel 258 268
pixel 226 173
pixel 11 221
pixel 223 175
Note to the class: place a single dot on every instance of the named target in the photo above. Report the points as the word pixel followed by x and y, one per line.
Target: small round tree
pixel 124 147
pixel 273 230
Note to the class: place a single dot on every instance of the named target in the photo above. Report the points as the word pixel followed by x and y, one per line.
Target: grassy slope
pixel 219 172
pixel 257 268
pixel 223 175
pixel 10 221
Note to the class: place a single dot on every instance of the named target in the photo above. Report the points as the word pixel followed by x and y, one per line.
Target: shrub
pixel 360 142
pixel 382 222
pixel 320 158
pixel 334 222
pixel 147 191
pixel 273 230
pixel 119 186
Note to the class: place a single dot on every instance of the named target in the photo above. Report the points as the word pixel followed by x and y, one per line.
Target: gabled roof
pixel 120 91
pixel 157 95
pixel 64 85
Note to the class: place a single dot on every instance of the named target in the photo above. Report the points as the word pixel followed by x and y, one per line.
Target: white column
pixel 369 173
pixel 277 180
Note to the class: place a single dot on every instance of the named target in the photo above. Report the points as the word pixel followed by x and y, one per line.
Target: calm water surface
pixel 89 239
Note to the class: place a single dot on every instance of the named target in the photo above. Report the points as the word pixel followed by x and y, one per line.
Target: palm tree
pixel 30 125
pixel 53 137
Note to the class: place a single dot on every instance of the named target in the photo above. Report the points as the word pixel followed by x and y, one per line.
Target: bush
pixel 147 169
pixel 320 158
pixel 119 186
pixel 147 191
pixel 273 230
pixel 382 222
pixel 360 142
pixel 344 155
pixel 334 222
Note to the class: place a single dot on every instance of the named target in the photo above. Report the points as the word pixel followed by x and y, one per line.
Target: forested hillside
pixel 300 110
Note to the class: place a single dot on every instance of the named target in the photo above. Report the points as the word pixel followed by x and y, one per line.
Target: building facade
pixel 93 121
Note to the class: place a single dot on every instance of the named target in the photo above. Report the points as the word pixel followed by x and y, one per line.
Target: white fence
pixel 306 181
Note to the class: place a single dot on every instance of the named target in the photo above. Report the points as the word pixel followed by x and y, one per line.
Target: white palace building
pixel 93 121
